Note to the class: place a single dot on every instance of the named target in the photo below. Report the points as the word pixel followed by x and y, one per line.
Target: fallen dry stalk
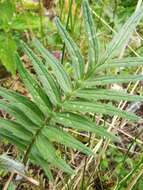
pixel 31 180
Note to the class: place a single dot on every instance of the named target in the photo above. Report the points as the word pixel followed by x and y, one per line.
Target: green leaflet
pixel 58 135
pixel 13 96
pixel 80 123
pixel 77 60
pixel 124 62
pixel 84 107
pixel 121 39
pixel 48 82
pixel 20 143
pixel 91 34
pixel 34 156
pixel 48 152
pixel 45 167
pixel 30 109
pixel 99 94
pixel 19 116
pixel 112 79
pixel 37 93
pixel 58 70
pixel 16 129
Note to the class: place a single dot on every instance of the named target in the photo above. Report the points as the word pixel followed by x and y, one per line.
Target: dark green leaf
pixel 48 82
pixel 24 104
pixel 58 71
pixel 36 91
pixel 58 135
pixel 48 152
pixel 80 123
pixel 19 115
pixel 16 129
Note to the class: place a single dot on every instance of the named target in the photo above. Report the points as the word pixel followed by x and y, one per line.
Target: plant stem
pixel 8 181
pixel 41 20
pixel 25 159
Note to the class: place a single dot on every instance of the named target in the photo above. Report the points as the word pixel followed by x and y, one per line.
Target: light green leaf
pixel 58 135
pixel 7 52
pixel 48 82
pixel 11 186
pixel 7 10
pixel 112 79
pixel 48 152
pixel 80 123
pixel 91 34
pixel 121 39
pixel 103 94
pixel 83 107
pixel 125 62
pixel 77 60
pixel 58 70
pixel 37 93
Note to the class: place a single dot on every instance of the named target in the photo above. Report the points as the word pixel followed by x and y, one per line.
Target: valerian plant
pixel 60 101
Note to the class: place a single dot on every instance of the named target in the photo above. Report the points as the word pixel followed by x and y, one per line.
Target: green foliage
pixel 13 23
pixel 7 52
pixel 7 43
pixel 7 9
pixel 60 101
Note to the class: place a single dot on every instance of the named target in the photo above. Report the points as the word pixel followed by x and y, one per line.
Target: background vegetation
pixel 76 73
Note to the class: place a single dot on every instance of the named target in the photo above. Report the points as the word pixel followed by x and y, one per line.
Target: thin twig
pixel 8 181
pixel 31 180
